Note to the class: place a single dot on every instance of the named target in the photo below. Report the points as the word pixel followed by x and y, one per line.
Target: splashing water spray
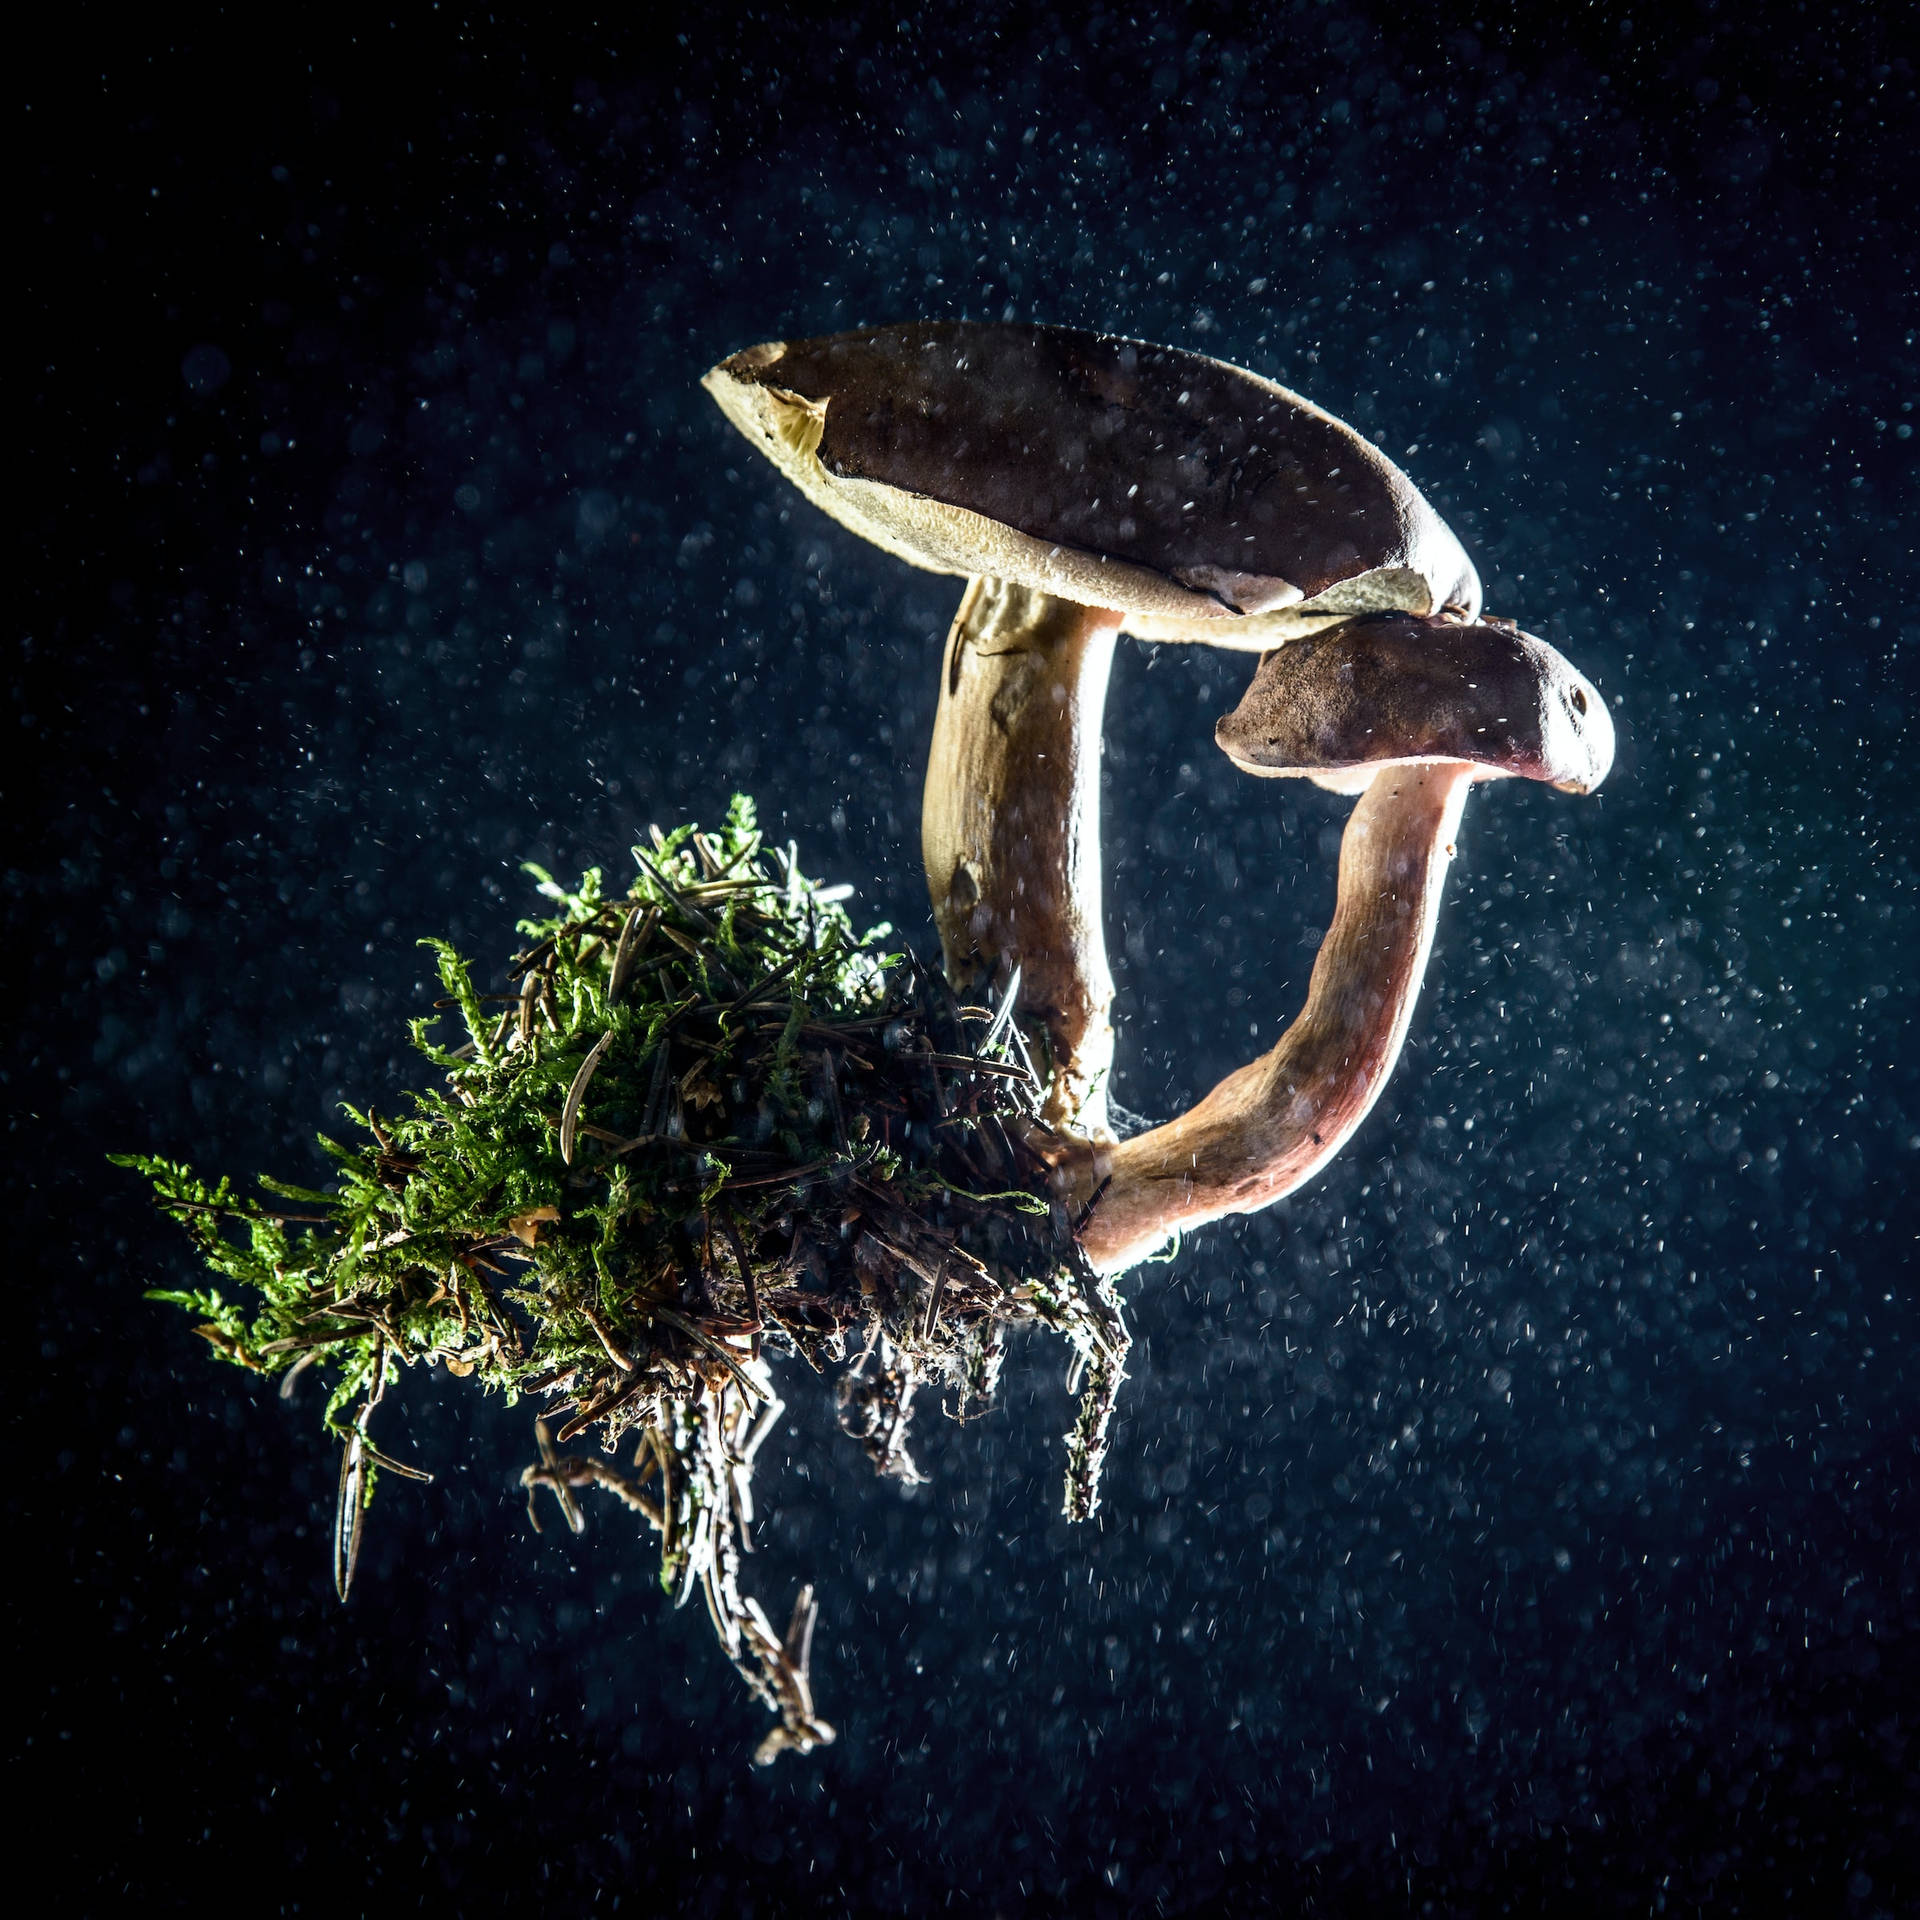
pixel 704 1124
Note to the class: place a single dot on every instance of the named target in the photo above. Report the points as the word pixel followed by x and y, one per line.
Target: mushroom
pixel 1090 484
pixel 1409 719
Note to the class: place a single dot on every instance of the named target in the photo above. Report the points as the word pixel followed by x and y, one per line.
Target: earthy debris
pixel 715 1126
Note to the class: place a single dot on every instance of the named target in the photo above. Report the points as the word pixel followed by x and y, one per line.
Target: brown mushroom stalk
pixel 1010 826
pixel 1268 1128
pixel 1409 713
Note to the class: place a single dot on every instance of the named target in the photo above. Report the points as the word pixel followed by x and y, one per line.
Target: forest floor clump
pixel 701 1125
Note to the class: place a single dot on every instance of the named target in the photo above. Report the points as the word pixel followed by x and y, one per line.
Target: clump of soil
pixel 704 1125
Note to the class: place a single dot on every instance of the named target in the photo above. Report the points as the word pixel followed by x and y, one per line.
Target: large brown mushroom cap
pixel 1200 501
pixel 1337 706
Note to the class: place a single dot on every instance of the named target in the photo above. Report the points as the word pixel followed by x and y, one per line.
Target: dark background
pixel 1521 1516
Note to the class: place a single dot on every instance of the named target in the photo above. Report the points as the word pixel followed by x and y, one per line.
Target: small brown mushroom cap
pixel 1200 501
pixel 1338 705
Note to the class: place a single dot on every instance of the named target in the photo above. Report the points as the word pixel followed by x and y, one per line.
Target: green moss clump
pixel 705 1124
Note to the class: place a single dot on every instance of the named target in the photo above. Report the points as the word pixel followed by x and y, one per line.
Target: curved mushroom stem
pixel 1010 827
pixel 1267 1129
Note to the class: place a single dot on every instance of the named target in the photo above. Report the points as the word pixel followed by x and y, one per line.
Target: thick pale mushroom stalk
pixel 1010 826
pixel 1268 1128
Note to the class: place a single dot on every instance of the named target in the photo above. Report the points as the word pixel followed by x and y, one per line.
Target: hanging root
pixel 1091 1318
pixel 702 1453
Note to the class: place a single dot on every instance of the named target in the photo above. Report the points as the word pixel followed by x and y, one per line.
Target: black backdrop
pixel 1522 1514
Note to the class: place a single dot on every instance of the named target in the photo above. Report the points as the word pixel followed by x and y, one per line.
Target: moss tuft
pixel 704 1124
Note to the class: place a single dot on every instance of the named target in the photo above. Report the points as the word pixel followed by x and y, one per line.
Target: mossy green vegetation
pixel 702 1124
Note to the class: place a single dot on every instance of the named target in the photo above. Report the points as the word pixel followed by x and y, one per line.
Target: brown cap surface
pixel 1337 705
pixel 1200 500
